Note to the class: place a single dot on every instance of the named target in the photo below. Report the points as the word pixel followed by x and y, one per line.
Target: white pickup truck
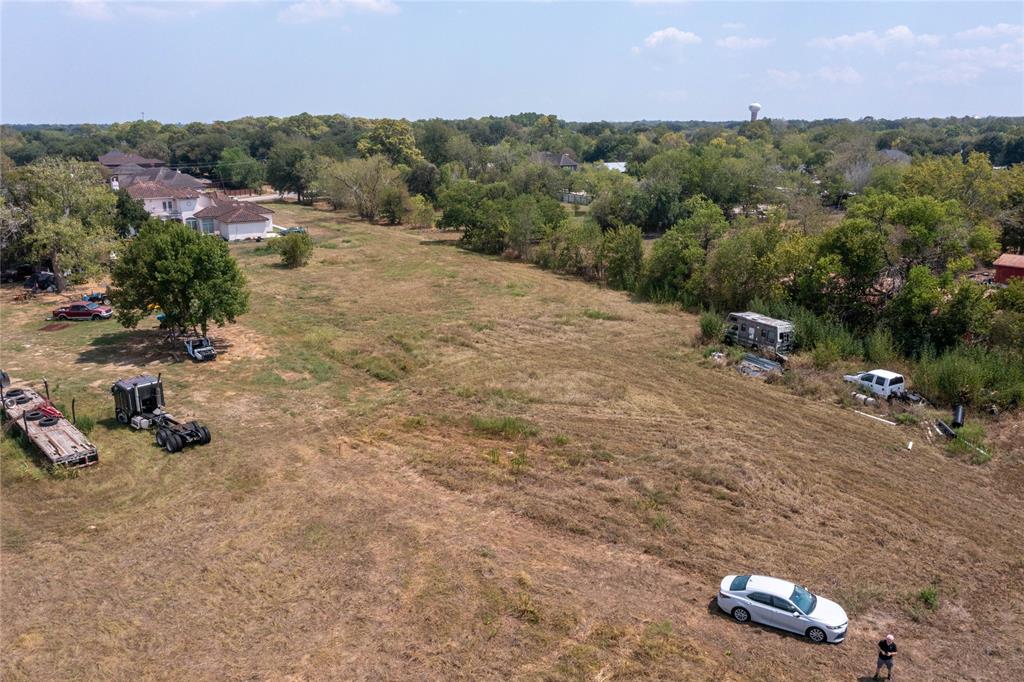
pixel 881 382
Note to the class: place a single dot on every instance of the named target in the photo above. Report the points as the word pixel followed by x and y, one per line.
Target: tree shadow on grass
pixel 439 242
pixel 132 347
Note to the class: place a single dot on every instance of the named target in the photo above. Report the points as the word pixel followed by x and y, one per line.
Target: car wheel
pixel 122 417
pixel 62 317
pixel 817 635
pixel 161 436
pixel 171 443
pixel 34 415
pixel 741 615
pixel 206 435
pixel 48 421
pixel 95 317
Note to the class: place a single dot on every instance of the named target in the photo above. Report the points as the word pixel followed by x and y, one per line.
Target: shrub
pixel 880 347
pixel 295 249
pixel 711 326
pixel 825 354
pixel 624 254
pixel 394 204
pixel 506 427
pixel 972 376
pixel 422 212
pixel 929 596
pixel 970 440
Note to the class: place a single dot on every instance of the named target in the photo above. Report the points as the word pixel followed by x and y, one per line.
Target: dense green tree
pixel 131 214
pixel 624 257
pixel 702 220
pixel 284 169
pixel 239 170
pixel 392 139
pixel 72 214
pixel 743 266
pixel 193 279
pixel 912 312
pixel 424 178
pixel 395 204
pixel 671 273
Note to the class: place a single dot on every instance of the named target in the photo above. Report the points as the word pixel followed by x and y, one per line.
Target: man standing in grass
pixel 886 650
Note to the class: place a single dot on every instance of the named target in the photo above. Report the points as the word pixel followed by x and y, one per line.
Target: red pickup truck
pixel 83 311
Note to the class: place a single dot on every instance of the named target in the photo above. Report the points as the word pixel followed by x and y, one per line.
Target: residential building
pixel 116 159
pixel 232 220
pixel 125 176
pixel 209 213
pixel 553 159
pixel 1009 265
pixel 167 203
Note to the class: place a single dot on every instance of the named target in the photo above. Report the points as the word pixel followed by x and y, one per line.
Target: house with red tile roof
pixel 233 220
pixel 209 213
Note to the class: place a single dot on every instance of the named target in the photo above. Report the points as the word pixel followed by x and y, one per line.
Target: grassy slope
pixel 431 464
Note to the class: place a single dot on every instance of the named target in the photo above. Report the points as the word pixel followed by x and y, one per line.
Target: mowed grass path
pixel 428 464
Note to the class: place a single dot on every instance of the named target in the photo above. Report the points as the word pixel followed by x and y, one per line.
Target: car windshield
pixel 804 600
pixel 91 306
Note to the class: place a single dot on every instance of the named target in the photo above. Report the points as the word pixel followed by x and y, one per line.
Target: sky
pixel 104 61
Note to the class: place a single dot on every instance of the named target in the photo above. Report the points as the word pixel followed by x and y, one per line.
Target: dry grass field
pixel 428 464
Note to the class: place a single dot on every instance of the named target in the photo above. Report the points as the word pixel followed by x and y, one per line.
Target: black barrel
pixel 958 416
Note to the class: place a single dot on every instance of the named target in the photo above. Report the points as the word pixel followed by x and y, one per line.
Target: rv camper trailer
pixel 759 331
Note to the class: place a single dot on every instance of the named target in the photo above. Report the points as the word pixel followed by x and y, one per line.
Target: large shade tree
pixel 192 278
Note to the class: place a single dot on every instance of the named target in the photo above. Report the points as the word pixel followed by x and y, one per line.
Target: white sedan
pixel 784 605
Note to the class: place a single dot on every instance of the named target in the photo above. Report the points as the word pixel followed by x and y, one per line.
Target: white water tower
pixel 754 108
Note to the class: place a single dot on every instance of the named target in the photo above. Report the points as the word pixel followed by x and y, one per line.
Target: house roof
pixel 235 212
pixel 158 190
pixel 115 158
pixel 133 173
pixel 1010 260
pixel 551 158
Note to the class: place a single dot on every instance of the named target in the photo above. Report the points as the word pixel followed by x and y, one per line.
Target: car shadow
pixel 716 612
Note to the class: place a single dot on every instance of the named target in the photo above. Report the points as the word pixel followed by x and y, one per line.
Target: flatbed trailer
pixel 53 435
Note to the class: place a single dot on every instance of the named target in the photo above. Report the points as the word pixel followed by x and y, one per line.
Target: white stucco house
pixel 166 202
pixel 233 220
pixel 209 213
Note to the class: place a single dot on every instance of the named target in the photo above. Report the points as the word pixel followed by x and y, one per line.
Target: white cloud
pixel 733 26
pixel 785 79
pixel 671 35
pixel 897 36
pixel 963 65
pixel 992 31
pixel 738 43
pixel 307 11
pixel 96 10
pixel 845 74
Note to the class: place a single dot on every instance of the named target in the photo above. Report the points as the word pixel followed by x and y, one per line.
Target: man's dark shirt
pixel 886 650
